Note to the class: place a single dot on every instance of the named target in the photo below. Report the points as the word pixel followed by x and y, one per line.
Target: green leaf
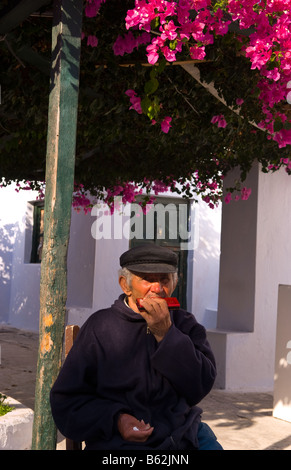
pixel 155 23
pixel 162 64
pixel 145 104
pixel 173 44
pixel 150 108
pixel 153 110
pixel 154 72
pixel 278 125
pixel 151 86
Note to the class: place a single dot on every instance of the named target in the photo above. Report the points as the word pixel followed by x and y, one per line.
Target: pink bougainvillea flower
pixel 92 41
pixel 152 53
pixel 168 31
pixel 239 101
pixel 227 198
pixel 126 44
pixel 283 138
pixel 245 193
pixel 259 53
pixel 135 101
pixel 169 54
pixel 268 47
pixel 197 53
pixel 136 104
pixel 222 122
pixel 130 93
pixel 92 8
pixel 219 120
pixel 165 124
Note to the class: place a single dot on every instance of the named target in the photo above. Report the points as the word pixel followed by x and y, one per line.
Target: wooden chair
pixel 70 336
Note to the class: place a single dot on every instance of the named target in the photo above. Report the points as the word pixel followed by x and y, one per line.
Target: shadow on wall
pixel 21 306
pixel 8 235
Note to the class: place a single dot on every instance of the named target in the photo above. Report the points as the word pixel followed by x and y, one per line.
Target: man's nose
pixel 157 286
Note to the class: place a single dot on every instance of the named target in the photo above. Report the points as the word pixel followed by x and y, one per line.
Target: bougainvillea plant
pixel 145 124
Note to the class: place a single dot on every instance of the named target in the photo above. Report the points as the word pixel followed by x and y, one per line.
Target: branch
pixel 25 54
pixel 195 73
pixel 11 50
pixel 185 99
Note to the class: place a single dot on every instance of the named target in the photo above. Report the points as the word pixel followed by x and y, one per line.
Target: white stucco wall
pixel 273 265
pixel 19 281
pixel 256 253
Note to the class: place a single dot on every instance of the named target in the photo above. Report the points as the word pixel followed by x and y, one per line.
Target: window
pixel 37 232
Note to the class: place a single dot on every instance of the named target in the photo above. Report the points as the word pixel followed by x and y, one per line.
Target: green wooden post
pixel 60 164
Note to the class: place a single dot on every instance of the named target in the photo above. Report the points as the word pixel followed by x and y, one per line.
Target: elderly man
pixel 135 374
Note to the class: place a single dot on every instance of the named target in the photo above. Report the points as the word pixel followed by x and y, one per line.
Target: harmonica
pixel 172 303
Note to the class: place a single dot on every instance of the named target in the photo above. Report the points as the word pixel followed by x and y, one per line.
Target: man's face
pixel 147 285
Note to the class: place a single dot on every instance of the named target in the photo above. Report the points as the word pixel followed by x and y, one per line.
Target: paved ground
pixel 241 421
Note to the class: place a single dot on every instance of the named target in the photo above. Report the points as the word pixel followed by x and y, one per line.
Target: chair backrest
pixel 70 336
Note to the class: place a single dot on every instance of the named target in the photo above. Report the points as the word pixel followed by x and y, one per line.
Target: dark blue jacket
pixel 115 366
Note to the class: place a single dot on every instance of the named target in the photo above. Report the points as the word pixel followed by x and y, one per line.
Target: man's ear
pixel 124 286
pixel 175 282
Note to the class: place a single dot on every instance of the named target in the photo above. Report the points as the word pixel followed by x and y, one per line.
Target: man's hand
pixel 157 316
pixel 131 429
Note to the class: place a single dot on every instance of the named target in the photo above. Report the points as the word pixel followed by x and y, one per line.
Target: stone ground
pixel 241 421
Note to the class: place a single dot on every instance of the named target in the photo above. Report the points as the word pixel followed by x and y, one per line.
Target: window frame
pixel 37 232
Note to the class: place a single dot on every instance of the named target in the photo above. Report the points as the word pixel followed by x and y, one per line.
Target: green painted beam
pixel 60 163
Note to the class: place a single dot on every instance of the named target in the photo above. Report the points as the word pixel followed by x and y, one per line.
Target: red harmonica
pixel 172 303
